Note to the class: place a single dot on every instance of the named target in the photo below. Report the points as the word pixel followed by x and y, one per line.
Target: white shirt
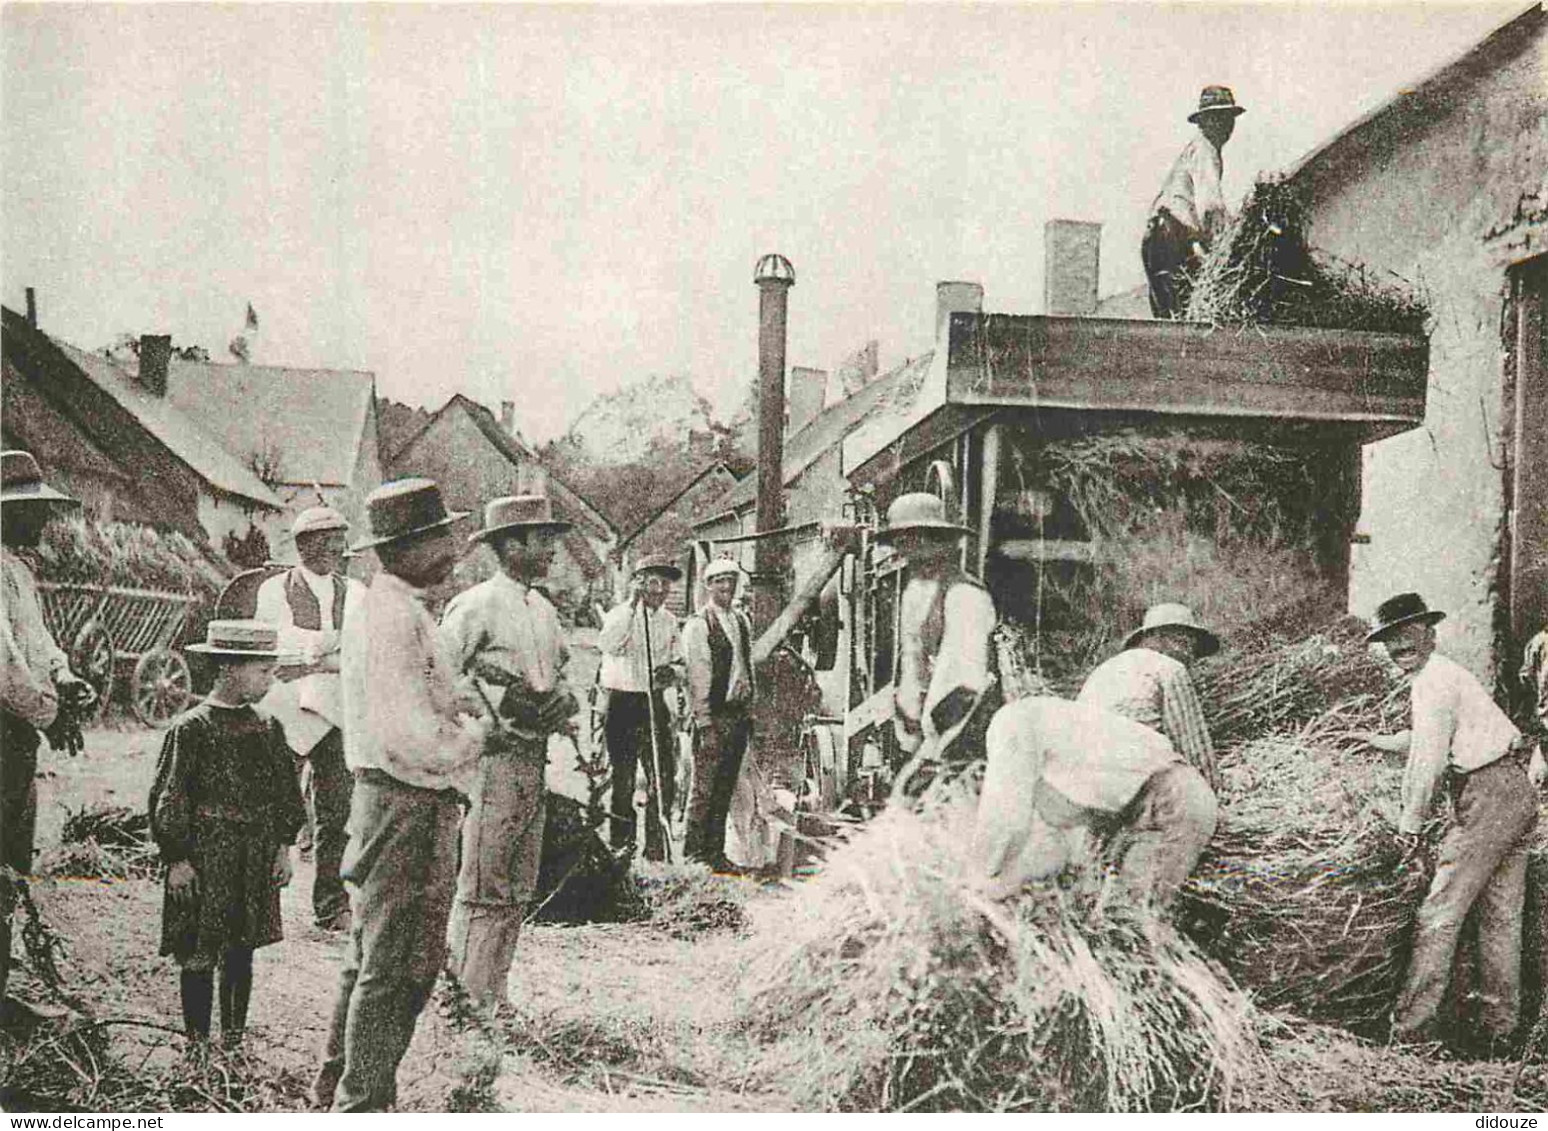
pixel 309 707
pixel 1191 191
pixel 1091 757
pixel 1456 723
pixel 961 660
pixel 622 641
pixel 401 704
pixel 504 623
pixel 29 658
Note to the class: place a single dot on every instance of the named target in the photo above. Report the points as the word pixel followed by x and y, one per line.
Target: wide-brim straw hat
pixel 21 481
pixel 659 563
pixel 1394 612
pixel 403 508
pixel 518 512
pixel 245 639
pixel 1173 615
pixel 919 513
pixel 1216 100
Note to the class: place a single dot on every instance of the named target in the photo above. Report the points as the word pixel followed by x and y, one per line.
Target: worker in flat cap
pixel 641 659
pixel 1461 739
pixel 413 733
pixel 1189 212
pixel 1149 682
pixel 310 604
pixel 717 649
pixel 37 688
pixel 504 634
pixel 946 689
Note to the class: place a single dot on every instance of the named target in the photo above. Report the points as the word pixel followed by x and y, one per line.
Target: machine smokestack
pixel 774 276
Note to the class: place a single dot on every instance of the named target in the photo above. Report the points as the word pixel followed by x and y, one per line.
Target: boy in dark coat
pixel 224 810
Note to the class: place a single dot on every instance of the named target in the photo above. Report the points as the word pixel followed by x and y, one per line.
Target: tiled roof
pixel 311 420
pixel 182 435
pixel 827 428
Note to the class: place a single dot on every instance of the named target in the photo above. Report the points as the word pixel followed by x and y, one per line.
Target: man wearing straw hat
pixel 946 691
pixel 413 748
pixel 641 655
pixel 1190 210
pixel 36 685
pixel 1459 736
pixel 310 604
pixel 717 646
pixel 1148 682
pixel 505 636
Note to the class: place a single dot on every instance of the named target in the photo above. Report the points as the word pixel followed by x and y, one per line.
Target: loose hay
pixel 109 842
pixel 896 987
pixel 1262 271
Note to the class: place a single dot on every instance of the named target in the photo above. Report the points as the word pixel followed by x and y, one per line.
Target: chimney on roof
pixel 955 298
pixel 508 417
pixel 32 308
pixel 1071 254
pixel 155 355
pixel 854 373
pixel 807 389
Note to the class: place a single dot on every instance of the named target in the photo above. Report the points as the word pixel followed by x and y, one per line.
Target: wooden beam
pixel 987 496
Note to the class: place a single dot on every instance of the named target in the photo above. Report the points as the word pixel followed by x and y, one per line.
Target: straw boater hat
pixel 247 639
pixel 721 567
pixel 1216 100
pixel 315 520
pixel 22 482
pixel 404 508
pixel 518 512
pixel 1395 612
pixel 659 563
pixel 1171 615
pixel 922 513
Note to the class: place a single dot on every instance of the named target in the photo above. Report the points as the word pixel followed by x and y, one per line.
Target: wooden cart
pixel 112 632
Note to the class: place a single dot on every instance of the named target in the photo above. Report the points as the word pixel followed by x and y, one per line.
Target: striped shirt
pixel 1152 688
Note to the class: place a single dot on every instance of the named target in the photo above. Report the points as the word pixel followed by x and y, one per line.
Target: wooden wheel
pixel 160 687
pixel 91 658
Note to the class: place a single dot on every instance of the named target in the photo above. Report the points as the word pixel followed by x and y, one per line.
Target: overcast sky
pixel 539 203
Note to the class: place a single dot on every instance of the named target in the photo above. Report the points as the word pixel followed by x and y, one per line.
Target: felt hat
pixel 659 563
pixel 1394 612
pixel 252 639
pixel 1172 615
pixel 404 508
pixel 921 512
pixel 1216 100
pixel 721 567
pixel 313 520
pixel 518 512
pixel 21 480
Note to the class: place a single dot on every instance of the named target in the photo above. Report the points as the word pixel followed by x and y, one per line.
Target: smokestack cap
pixel 774 268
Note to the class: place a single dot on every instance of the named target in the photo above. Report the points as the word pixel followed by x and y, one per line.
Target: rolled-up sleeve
pixel 1434 722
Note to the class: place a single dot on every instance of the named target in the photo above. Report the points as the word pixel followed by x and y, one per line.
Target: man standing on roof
pixel 1148 682
pixel 717 645
pixel 1190 210
pixel 310 605
pixel 36 684
pixel 635 687
pixel 1461 738
pixel 504 634
pixel 946 690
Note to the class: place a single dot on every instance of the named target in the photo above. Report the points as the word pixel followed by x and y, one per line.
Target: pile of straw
pixel 109 842
pixel 81 551
pixel 1279 687
pixel 1261 271
pixel 894 986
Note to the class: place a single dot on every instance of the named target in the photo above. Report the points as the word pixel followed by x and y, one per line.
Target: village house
pixel 475 458
pixel 1446 185
pixel 120 445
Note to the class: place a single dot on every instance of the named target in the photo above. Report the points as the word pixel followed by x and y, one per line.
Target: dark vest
pixel 304 610
pixel 721 656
